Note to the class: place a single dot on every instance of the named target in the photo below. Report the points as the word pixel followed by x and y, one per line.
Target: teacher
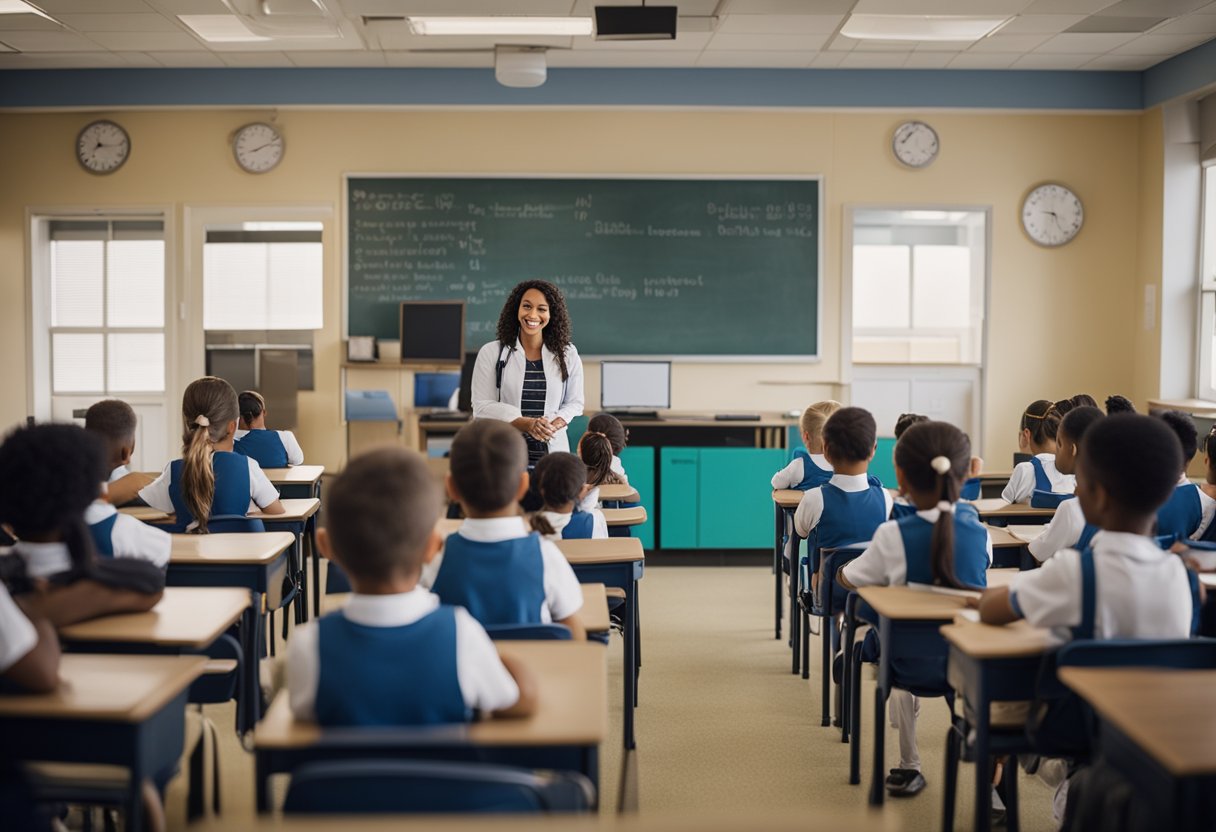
pixel 531 376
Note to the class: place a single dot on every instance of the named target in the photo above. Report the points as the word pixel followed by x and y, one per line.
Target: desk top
pixel 595 608
pixel 635 516
pixel 619 491
pixel 297 508
pixel 902 603
pixel 1168 713
pixel 995 476
pixel 296 475
pixel 996 507
pixel 187 617
pixel 109 688
pixel 1003 538
pixel 572 706
pixel 787 497
pixel 610 550
pixel 230 548
pixel 985 641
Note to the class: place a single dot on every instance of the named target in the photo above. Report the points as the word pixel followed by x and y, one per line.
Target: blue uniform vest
pixel 812 475
pixel 381 676
pixel 580 527
pixel 848 517
pixel 970 547
pixel 972 489
pixel 899 510
pixel 1087 535
pixel 498 583
pixel 265 447
pixel 103 535
pixel 1181 515
pixel 232 492
pixel 1042 482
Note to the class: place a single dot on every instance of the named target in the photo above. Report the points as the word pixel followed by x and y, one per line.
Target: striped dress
pixel 532 404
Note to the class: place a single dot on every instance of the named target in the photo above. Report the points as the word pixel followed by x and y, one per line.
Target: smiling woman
pixel 531 375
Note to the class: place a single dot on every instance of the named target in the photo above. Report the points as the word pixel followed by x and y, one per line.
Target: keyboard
pixel 737 417
pixel 445 416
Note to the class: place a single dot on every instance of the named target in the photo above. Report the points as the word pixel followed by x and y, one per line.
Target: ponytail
pixel 252 405
pixel 935 457
pixel 595 449
pixel 208 405
pixel 541 524
pixel 198 475
pixel 941 557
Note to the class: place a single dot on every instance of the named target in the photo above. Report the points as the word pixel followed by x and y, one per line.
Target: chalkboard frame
pixel 806 358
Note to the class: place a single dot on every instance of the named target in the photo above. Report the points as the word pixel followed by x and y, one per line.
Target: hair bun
pixel 941 465
pixel 202 421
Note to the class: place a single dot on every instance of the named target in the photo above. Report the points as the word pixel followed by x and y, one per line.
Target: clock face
pixel 1052 215
pixel 102 147
pixel 915 144
pixel 258 147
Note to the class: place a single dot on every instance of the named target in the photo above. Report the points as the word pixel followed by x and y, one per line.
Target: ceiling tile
pixel 254 59
pixel 779 24
pixel 1155 44
pixel 119 23
pixel 1153 8
pixel 789 6
pixel 147 41
pixel 882 46
pixel 1122 63
pixel 187 59
pixel 1041 60
pixel 60 41
pixel 958 7
pixel 942 46
pixel 137 59
pixel 176 7
pixel 619 58
pixel 929 60
pixel 546 8
pixel 25 22
pixel 780 60
pixel 1084 44
pixel 60 60
pixel 839 43
pixel 828 60
pixel 983 60
pixel 874 60
pixel 397 36
pixel 1081 7
pixel 1192 24
pixel 1040 24
pixel 685 8
pixel 56 7
pixel 457 60
pixel 1008 43
pixel 336 59
pixel 756 43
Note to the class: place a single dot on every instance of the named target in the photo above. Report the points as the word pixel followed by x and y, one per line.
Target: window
pixel 263 276
pixel 918 286
pixel 1207 289
pixel 107 306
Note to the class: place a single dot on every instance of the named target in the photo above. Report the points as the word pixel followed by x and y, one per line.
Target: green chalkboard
pixel 667 267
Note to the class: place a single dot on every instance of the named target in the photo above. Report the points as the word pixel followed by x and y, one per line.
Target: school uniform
pixel 577 525
pixel 118 535
pixel 618 468
pixel 43 560
pixel 1039 474
pixel 118 473
pixel 271 448
pixel 504 573
pixel 401 659
pixel 901 553
pixel 805 471
pixel 240 488
pixel 1187 513
pixel 562 398
pixel 18 636
pixel 1066 530
pixel 1141 590
pixel 842 487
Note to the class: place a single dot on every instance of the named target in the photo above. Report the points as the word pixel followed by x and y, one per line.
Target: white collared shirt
pixel 130 537
pixel 792 474
pixel 1063 532
pixel 559 521
pixel 1206 503
pixel 618 468
pixel 118 473
pixel 563 398
pixel 485 683
pixel 17 633
pixel 810 509
pixel 563 595
pixel 1142 591
pixel 42 560
pixel 885 562
pixel 1021 481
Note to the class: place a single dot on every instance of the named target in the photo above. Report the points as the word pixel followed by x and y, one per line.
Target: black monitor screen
pixel 432 331
pixel 464 401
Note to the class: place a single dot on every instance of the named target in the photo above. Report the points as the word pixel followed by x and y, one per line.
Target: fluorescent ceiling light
pixel 501 25
pixel 920 27
pixel 219 28
pixel 19 7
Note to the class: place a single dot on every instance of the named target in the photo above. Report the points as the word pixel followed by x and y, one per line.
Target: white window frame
pixel 1205 388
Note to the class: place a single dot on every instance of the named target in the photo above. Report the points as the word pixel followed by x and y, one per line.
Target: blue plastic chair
pixel 529 632
pixel 830 602
pixel 415 786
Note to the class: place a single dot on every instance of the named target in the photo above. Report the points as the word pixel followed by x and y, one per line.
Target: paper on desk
pixel 1027 534
pixel 968 615
pixel 989 504
pixel 946 590
pixel 1205 558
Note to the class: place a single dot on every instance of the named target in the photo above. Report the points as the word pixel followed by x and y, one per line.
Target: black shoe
pixel 904 782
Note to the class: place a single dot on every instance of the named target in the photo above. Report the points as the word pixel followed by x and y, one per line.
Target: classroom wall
pixel 1059 319
pixel 1147 360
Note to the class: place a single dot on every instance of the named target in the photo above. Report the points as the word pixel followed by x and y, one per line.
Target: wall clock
pixel 102 147
pixel 258 147
pixel 1052 214
pixel 915 144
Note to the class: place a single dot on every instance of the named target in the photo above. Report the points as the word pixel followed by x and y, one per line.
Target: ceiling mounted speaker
pixel 519 67
pixel 635 22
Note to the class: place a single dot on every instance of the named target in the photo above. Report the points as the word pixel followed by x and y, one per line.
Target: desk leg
pixel 877 775
pixel 300 567
pixel 134 809
pixel 630 667
pixel 249 710
pixel 795 631
pixel 777 605
pixel 983 760
pixel 261 784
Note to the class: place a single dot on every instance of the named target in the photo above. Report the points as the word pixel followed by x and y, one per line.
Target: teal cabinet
pixel 883 463
pixel 736 502
pixel 679 497
pixel 639 466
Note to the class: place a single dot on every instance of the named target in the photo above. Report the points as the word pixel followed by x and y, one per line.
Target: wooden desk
pixel 126 711
pixel 1158 729
pixel 186 618
pixel 295 509
pixel 618 493
pixel 297 481
pixel 785 503
pixel 635 516
pixel 570 722
pixel 998 510
pixel 992 483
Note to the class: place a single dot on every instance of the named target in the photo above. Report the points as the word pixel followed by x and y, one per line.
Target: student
pixel 271 448
pixel 1037 436
pixel 29 648
pixel 560 479
pixel 902 505
pixel 809 468
pixel 114 421
pixel 1208 486
pixel 210 479
pixel 943 544
pixel 1067 528
pixel 611 427
pixel 494 566
pixel 1119 404
pixel 595 451
pixel 394 655
pixel 1188 512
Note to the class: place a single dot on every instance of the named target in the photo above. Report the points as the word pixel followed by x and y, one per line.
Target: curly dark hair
pixel 556 333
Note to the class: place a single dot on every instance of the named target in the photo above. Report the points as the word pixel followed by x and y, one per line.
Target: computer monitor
pixel 432 331
pixel 626 385
pixel 435 389
pixel 464 403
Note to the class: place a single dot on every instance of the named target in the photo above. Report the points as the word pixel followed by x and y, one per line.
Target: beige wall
pixel 1061 321
pixel 1147 367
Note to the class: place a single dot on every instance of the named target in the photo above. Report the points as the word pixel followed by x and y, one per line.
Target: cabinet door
pixel 678 497
pixel 736 498
pixel 639 467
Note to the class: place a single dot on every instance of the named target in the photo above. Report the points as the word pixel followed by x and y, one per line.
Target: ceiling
pixel 1043 35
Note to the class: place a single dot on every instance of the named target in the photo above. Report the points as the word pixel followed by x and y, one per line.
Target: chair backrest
pixel 529 632
pixel 234 523
pixel 832 595
pixel 418 786
pixel 1194 653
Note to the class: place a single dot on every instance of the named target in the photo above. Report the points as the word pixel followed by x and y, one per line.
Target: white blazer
pixel 562 398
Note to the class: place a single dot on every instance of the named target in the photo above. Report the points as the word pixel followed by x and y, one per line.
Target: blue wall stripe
pixel 1180 75
pixel 905 89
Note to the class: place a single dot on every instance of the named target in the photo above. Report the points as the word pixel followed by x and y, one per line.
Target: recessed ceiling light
pixel 220 28
pixel 19 7
pixel 920 27
pixel 501 25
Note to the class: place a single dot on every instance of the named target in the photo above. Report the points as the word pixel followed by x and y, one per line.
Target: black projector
pixel 635 22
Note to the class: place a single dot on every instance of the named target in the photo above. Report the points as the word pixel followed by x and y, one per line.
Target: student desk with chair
pixel 617 493
pixel 127 711
pixel 621 520
pixel 1158 729
pixel 564 733
pixel 296 481
pixel 785 503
